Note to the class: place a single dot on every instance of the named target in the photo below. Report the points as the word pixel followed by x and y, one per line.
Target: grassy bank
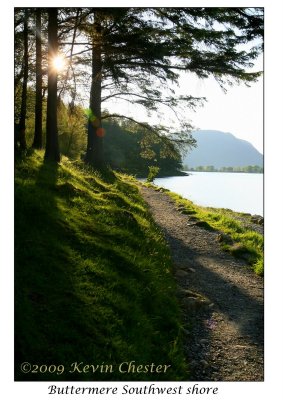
pixel 93 280
pixel 234 237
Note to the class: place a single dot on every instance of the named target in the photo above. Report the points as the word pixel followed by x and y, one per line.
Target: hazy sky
pixel 239 111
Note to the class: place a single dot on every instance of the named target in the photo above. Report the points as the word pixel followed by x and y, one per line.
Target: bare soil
pixel 221 299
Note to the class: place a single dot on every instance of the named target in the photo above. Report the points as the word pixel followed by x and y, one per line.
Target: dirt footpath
pixel 222 301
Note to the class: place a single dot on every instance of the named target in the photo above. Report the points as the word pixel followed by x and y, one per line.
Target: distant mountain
pixel 222 149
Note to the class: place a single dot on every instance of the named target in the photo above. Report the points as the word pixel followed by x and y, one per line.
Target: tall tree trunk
pixel 52 145
pixel 23 112
pixel 37 141
pixel 95 153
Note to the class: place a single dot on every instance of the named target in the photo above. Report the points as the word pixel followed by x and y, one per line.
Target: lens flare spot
pixel 100 132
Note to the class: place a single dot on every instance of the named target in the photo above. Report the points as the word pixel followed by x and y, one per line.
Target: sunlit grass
pixel 240 241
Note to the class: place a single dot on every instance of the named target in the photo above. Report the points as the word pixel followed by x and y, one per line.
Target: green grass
pixel 238 240
pixel 93 280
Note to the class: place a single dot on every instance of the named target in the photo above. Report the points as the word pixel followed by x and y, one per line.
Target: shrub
pixel 152 173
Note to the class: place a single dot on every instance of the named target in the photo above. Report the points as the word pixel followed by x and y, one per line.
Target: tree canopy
pixel 135 55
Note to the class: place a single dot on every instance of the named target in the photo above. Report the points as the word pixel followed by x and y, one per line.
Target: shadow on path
pixel 241 308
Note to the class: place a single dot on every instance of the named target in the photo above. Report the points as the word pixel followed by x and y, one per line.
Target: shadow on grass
pixel 80 294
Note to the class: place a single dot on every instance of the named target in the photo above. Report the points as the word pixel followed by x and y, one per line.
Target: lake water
pixel 238 191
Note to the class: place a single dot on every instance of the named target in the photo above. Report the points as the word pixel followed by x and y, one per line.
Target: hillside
pixel 93 280
pixel 222 150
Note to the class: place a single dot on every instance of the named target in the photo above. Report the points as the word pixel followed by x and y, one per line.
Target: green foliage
pixel 93 278
pixel 152 173
pixel 128 149
pixel 238 240
pixel 259 267
pixel 71 125
pixel 71 130
pixel 125 146
pixel 30 111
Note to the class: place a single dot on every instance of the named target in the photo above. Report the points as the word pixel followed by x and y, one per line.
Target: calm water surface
pixel 237 191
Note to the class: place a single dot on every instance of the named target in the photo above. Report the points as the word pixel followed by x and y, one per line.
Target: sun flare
pixel 59 63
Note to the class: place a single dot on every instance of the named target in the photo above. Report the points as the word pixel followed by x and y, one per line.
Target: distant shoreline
pixel 225 172
pixel 190 171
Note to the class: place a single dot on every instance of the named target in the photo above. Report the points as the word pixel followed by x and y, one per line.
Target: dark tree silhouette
pixel 23 112
pixel 37 142
pixel 52 152
pixel 94 153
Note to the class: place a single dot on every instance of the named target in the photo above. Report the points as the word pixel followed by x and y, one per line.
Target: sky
pixel 238 111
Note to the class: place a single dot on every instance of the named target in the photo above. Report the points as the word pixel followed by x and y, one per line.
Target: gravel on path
pixel 221 299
